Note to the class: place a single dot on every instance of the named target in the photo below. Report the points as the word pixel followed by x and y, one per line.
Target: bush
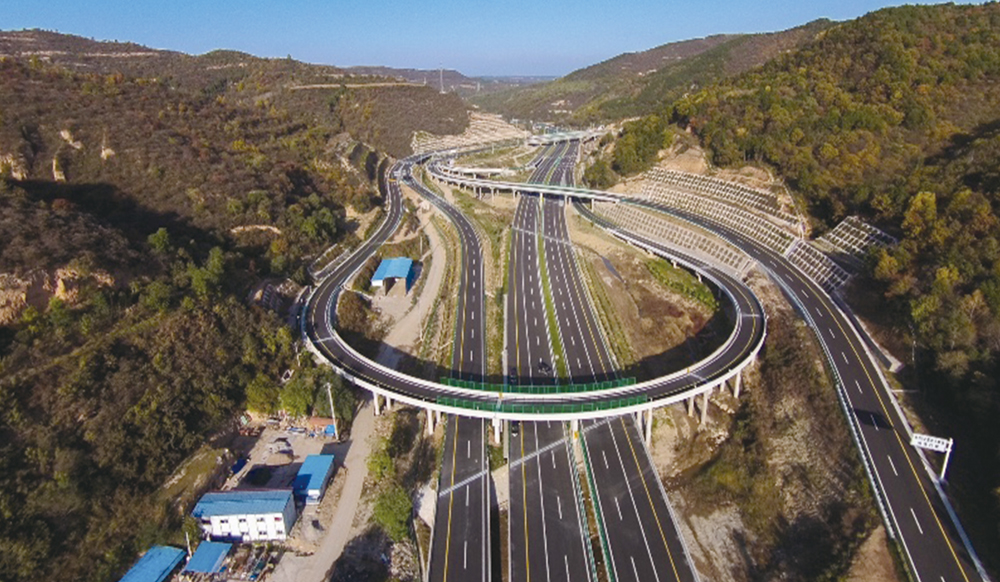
pixel 393 508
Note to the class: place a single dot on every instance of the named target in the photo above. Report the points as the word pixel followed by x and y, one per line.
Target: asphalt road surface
pixel 546 527
pixel 643 543
pixel 460 550
pixel 925 529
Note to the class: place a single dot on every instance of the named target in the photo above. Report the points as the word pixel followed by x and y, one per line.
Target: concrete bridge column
pixel 430 422
pixel 649 427
pixel 497 429
pixel 378 405
pixel 736 384
pixel 388 403
pixel 690 403
pixel 699 276
pixel 704 405
pixel 574 427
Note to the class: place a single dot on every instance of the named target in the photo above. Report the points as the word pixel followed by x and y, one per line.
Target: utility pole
pixel 333 413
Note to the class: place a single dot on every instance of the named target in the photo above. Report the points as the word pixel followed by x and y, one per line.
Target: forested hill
pixel 144 346
pixel 640 83
pixel 896 117
pixel 371 107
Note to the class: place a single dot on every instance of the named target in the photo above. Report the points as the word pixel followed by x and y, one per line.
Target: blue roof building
pixel 390 269
pixel 155 565
pixel 247 515
pixel 208 558
pixel 313 475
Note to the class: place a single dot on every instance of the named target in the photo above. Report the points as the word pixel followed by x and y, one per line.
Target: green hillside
pixel 896 117
pixel 136 185
pixel 640 83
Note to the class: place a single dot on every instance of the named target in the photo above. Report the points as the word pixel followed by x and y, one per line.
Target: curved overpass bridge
pixel 908 493
pixel 511 402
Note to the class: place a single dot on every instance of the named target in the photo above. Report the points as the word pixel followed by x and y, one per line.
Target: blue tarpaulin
pixel 208 558
pixel 155 565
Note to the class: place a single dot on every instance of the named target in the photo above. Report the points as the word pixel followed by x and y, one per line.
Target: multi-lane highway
pixel 460 550
pixel 912 505
pixel 642 539
pixel 547 540
pixel 546 528
pixel 463 505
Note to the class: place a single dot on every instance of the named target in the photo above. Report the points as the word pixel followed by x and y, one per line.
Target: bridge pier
pixel 430 422
pixel 690 405
pixel 704 405
pixel 737 381
pixel 574 427
pixel 378 405
pixel 649 427
pixel 497 430
pixel 388 403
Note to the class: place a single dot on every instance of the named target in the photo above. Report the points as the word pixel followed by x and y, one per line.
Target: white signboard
pixel 933 443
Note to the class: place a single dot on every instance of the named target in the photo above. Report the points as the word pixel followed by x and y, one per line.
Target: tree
pixel 159 241
pixel 262 394
pixel 392 512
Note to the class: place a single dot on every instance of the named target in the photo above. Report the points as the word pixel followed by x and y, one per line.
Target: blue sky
pixel 477 37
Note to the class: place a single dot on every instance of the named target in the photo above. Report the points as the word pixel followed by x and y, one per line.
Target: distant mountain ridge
pixel 367 105
pixel 634 84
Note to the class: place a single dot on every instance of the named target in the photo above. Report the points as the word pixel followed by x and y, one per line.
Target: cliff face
pixel 36 288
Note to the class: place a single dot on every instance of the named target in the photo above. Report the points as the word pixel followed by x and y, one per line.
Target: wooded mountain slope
pixel 894 117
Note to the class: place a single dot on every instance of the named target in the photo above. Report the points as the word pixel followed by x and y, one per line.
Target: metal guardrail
pixel 595 500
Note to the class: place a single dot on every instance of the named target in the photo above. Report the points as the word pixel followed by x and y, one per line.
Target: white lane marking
pixel 465 555
pixel 818 312
pixel 473 333
pixel 572 340
pixel 473 315
pixel 634 569
pixel 578 364
pixel 468 449
pixel 559 503
pixel 566 562
pixel 618 505
pixel 829 329
pixel 537 341
pixel 843 355
pixel 553 459
pixel 874 421
pixel 893 465
pixel 471 357
pixel 467 495
pixel 858 384
pixel 916 521
pixel 605 459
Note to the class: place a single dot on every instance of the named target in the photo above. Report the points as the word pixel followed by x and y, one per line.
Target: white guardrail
pixel 490 398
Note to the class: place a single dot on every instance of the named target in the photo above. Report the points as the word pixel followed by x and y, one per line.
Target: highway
pixel 547 541
pixel 641 536
pixel 915 510
pixel 546 529
pixel 460 550
pixel 461 541
pixel 642 539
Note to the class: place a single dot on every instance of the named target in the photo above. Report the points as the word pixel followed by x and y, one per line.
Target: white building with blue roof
pixel 247 516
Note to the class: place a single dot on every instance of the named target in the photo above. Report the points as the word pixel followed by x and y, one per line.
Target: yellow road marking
pixel 451 498
pixel 645 486
pixel 899 439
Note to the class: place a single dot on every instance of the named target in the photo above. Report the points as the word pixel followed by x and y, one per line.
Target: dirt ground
pixel 722 544
pixel 404 314
pixel 666 331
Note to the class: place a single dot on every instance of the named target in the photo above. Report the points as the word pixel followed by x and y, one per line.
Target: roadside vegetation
pixel 881 118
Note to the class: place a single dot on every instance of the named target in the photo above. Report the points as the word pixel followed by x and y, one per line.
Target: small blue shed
pixel 396 268
pixel 155 565
pixel 208 558
pixel 313 475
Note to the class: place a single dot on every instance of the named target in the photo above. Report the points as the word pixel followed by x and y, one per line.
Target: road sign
pixel 933 443
pixel 925 441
